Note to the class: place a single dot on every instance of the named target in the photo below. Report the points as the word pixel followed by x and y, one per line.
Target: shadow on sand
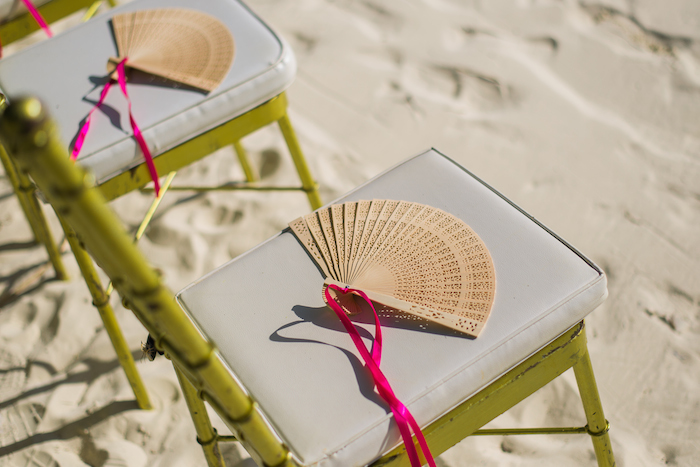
pixel 95 369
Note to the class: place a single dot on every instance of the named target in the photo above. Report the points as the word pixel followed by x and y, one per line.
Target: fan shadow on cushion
pixel 407 256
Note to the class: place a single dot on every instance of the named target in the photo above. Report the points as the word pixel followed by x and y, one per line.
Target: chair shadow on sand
pixel 76 428
pixel 25 280
pixel 29 279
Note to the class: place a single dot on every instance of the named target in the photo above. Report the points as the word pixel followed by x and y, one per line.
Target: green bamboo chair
pixel 18 23
pixel 256 342
pixel 180 125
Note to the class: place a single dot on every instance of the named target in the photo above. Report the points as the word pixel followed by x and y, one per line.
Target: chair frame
pixel 11 31
pixel 32 139
pixel 168 162
pixel 25 24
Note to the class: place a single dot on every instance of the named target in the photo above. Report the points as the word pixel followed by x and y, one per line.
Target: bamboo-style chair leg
pixel 242 154
pixel 308 183
pixel 597 424
pixel 206 433
pixel 148 217
pixel 92 9
pixel 25 191
pixel 101 301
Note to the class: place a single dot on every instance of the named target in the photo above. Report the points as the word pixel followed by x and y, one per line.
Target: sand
pixel 585 114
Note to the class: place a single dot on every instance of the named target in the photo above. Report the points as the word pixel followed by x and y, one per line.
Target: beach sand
pixel 584 114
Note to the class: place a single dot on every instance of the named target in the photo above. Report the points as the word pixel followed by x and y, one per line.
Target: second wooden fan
pixel 408 256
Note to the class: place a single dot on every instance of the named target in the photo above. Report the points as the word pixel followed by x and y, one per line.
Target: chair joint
pixel 205 361
pixel 30 188
pixel 602 432
pixel 246 417
pixel 101 303
pixel 214 439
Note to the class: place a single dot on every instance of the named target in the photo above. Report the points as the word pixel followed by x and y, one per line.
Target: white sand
pixel 586 116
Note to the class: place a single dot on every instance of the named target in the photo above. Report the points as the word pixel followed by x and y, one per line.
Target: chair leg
pixel 145 222
pixel 25 191
pixel 250 175
pixel 308 183
pixel 206 434
pixel 597 424
pixel 92 10
pixel 101 301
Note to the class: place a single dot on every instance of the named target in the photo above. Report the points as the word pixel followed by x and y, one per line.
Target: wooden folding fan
pixel 186 46
pixel 408 256
pixel 182 45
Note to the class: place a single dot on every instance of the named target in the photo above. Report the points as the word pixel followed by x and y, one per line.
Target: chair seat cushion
pixel 69 71
pixel 265 312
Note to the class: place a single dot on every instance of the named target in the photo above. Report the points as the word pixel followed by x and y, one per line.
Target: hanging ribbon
pixel 86 126
pixel 37 17
pixel 403 417
pixel 121 78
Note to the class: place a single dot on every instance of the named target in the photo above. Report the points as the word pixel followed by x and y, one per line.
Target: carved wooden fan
pixel 408 256
pixel 182 45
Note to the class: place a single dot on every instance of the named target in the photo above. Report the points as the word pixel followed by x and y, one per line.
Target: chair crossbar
pixel 192 150
pixel 531 431
pixel 568 350
pixel 25 24
pixel 226 438
pixel 229 133
pixel 233 186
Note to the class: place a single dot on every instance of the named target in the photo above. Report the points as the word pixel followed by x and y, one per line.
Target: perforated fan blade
pixel 408 256
pixel 182 45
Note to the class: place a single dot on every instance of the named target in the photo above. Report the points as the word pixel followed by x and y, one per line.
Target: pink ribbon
pixel 86 126
pixel 403 417
pixel 37 17
pixel 121 78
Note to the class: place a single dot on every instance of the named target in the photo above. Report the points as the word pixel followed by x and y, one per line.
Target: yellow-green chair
pixel 181 125
pixel 17 22
pixel 255 340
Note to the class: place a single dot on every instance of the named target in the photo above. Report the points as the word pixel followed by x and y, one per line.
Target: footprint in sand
pixel 19 422
pixel 13 374
pixel 33 458
pixel 629 27
pixel 112 453
pixel 270 160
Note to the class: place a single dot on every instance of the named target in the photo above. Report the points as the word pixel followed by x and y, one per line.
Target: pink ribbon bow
pixel 403 417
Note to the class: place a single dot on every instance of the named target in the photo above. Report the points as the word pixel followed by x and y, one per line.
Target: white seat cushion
pixel 68 73
pixel 265 313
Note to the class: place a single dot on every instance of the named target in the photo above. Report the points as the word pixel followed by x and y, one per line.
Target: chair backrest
pixel 32 138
